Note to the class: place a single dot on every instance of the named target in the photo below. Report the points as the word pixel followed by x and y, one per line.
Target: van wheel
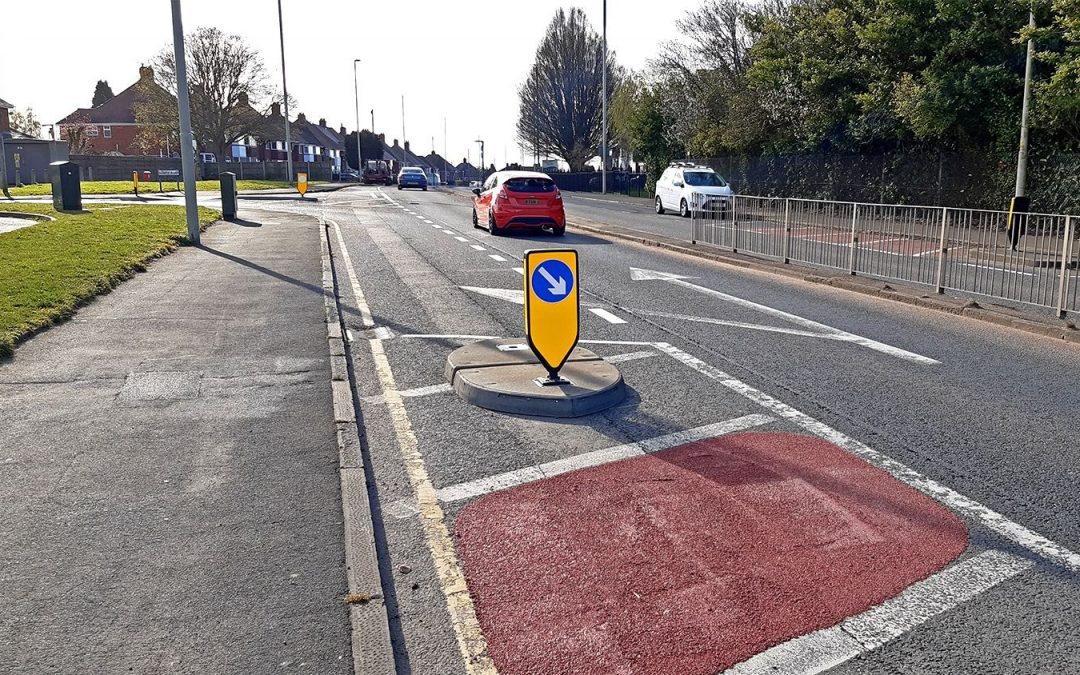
pixel 684 210
pixel 659 205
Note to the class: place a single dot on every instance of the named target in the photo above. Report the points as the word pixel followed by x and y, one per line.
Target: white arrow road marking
pixel 557 287
pixel 642 275
pixel 740 324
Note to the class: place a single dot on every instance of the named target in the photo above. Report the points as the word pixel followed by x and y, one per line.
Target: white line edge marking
pixel 412 393
pixel 965 506
pixel 502 481
pixel 361 302
pixel 631 356
pixel 824 649
pixel 638 274
pixel 606 315
pixel 470 637
pixel 496 257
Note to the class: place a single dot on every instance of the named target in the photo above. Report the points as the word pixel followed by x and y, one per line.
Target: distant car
pixel 349 176
pixel 519 200
pixel 682 181
pixel 377 172
pixel 207 157
pixel 412 176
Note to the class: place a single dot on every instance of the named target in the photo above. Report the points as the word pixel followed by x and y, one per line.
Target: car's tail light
pixel 501 194
pixel 558 195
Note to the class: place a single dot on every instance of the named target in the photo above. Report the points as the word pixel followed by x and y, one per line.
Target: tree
pixel 1057 98
pixel 102 93
pixel 76 134
pixel 26 122
pixel 225 76
pixel 370 146
pixel 639 122
pixel 562 99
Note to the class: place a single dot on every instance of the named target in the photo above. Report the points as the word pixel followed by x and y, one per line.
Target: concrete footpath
pixel 169 471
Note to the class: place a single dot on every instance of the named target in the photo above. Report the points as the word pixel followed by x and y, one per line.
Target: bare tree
pixel 225 75
pixel 561 101
pixel 26 122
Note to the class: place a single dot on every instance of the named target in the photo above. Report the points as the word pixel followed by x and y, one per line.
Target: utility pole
pixel 356 89
pixel 285 94
pixel 373 120
pixel 603 142
pixel 482 167
pixel 187 143
pixel 3 168
pixel 403 155
pixel 444 153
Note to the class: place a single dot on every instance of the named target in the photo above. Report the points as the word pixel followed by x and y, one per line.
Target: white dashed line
pixel 497 258
pixel 520 270
pixel 606 315
pixel 477 247
pixel 448 231
pixel 462 239
pixel 428 221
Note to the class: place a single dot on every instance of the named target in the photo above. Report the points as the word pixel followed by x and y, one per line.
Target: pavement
pixel 800 479
pixel 169 471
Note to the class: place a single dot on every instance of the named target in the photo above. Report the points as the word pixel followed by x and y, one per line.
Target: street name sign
pixel 551 306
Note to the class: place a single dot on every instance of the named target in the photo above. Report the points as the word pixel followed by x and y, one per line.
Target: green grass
pixel 117 187
pixel 49 269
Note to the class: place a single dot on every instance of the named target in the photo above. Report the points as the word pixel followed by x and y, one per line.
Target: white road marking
pixel 462 239
pixel 631 356
pixel 412 393
pixel 470 638
pixel 515 296
pixel 477 247
pixel 640 275
pixel 520 270
pixel 1004 270
pixel 419 217
pixel 740 324
pixel 382 333
pixel 606 315
pixel 498 258
pixel 824 649
pixel 502 481
pixel 428 221
pixel 961 504
pixel 448 231
pixel 436 226
pixel 361 303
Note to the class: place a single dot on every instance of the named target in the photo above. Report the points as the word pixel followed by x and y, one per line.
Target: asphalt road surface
pixel 808 478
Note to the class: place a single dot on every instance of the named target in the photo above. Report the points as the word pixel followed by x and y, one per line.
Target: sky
pixel 458 60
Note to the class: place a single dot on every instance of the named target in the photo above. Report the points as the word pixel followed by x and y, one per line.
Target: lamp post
pixel 1021 161
pixel 187 143
pixel 356 88
pixel 482 168
pixel 603 141
pixel 285 94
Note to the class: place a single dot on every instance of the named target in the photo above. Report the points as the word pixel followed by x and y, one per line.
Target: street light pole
pixel 603 142
pixel 285 95
pixel 187 143
pixel 403 155
pixel 482 167
pixel 1021 161
pixel 356 88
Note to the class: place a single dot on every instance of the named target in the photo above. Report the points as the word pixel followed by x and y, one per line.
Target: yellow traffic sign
pixel 301 182
pixel 551 305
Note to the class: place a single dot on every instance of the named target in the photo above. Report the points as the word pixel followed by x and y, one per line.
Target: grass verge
pixel 49 269
pixel 120 187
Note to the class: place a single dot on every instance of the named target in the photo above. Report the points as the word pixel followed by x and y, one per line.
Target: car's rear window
pixel 530 185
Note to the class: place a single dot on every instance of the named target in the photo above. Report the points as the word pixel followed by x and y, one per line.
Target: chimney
pixel 146 73
pixel 301 118
pixel 322 121
pixel 275 109
pixel 407 147
pixel 382 137
pixel 242 98
pixel 395 143
pixel 343 130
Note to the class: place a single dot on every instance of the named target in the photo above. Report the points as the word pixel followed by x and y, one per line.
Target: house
pixel 399 157
pixel 445 168
pixel 110 128
pixel 329 144
pixel 25 158
pixel 466 172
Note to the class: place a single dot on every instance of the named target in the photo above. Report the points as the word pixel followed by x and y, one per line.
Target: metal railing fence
pixel 1035 261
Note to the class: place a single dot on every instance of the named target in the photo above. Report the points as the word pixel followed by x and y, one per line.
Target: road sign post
pixel 552 303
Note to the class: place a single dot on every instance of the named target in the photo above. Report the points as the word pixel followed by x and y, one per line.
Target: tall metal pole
pixel 356 88
pixel 603 142
pixel 187 143
pixel 482 169
pixel 3 168
pixel 285 94
pixel 446 169
pixel 1021 161
pixel 403 155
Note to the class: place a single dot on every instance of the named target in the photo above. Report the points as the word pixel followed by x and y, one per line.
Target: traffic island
pixel 504 375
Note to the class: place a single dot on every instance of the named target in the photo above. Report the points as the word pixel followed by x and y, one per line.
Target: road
pixel 795 397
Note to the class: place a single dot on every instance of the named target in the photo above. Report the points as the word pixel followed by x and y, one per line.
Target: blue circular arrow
pixel 552 281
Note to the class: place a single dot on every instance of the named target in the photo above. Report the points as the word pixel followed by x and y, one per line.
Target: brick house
pixel 110 128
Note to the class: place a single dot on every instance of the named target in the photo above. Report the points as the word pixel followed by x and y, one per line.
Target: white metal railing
pixel 969 250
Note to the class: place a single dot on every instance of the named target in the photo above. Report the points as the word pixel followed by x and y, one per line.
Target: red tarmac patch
pixel 693 559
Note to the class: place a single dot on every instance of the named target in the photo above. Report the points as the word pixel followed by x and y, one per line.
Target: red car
pixel 519 200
